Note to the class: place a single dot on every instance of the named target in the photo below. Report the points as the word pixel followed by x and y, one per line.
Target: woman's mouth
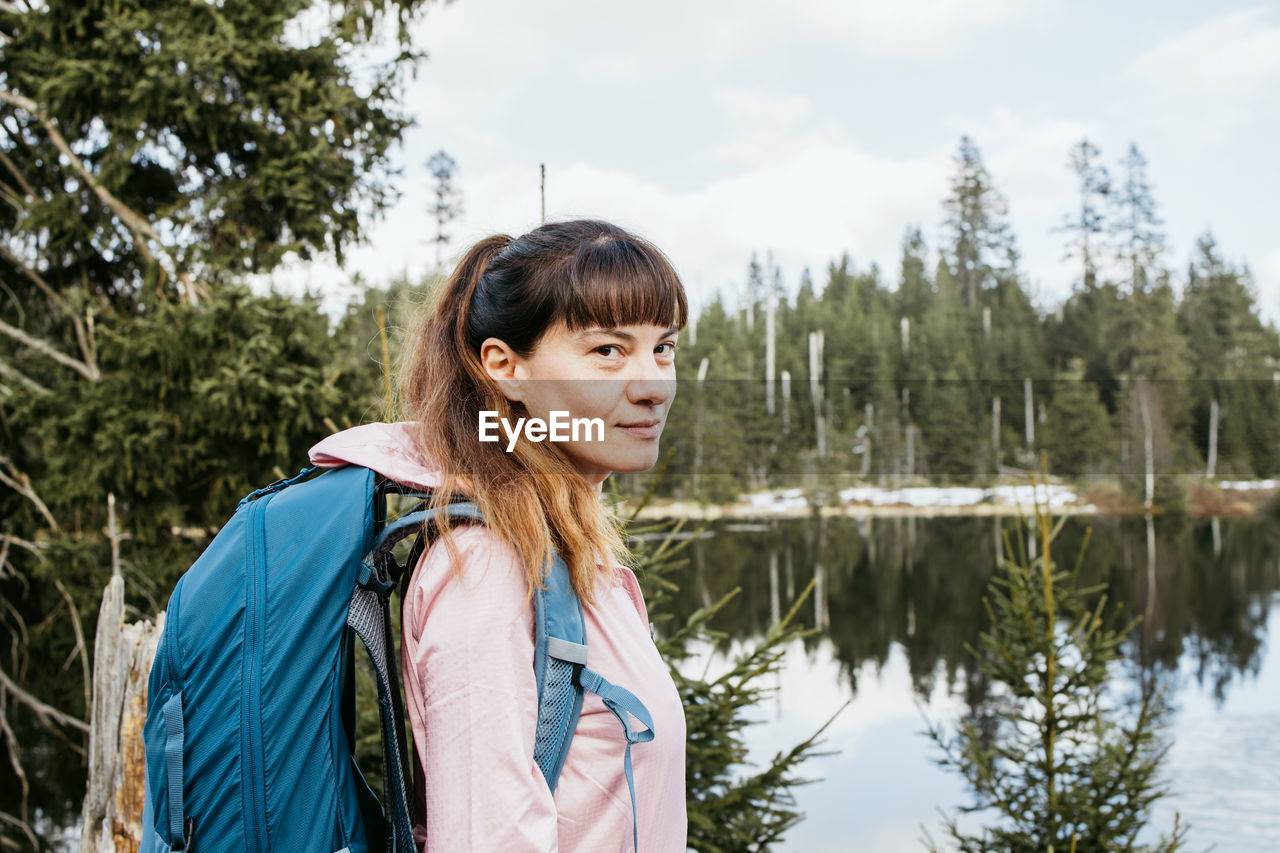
pixel 642 429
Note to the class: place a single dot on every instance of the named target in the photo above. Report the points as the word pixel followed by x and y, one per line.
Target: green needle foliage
pixel 729 806
pixel 1056 761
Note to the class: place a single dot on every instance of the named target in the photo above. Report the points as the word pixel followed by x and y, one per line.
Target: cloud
pixel 1235 56
pixel 911 29
pixel 797 189
pixel 1207 81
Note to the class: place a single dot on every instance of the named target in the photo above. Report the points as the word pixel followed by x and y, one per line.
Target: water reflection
pixel 899 599
pixel 919 583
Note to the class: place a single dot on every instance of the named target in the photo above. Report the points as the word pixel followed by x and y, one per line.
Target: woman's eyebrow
pixel 618 333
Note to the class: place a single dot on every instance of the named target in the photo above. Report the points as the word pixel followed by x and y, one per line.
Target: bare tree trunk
pixel 815 389
pixel 775 593
pixel 786 401
pixel 1212 468
pixel 820 596
pixel 697 426
pixel 770 350
pixel 113 803
pixel 1148 447
pixel 1030 420
pixel 1151 568
pixel 995 432
pixel 869 422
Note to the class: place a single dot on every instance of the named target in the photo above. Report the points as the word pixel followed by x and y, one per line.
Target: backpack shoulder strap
pixel 560 653
pixel 369 617
pixel 560 661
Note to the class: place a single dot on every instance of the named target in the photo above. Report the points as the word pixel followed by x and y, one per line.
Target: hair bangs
pixel 616 281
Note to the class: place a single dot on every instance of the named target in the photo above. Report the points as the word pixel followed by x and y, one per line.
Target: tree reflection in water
pixel 919 583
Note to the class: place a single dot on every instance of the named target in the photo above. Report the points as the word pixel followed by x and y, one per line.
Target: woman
pixel 574 317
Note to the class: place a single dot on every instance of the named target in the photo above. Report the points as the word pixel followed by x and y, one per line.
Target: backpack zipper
pixel 252 771
pixel 171 632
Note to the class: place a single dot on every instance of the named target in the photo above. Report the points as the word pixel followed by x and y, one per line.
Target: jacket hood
pixel 386 448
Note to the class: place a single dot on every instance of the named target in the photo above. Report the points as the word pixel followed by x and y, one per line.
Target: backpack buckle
pixel 375 580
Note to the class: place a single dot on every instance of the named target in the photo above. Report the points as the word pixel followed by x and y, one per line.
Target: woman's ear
pixel 504 367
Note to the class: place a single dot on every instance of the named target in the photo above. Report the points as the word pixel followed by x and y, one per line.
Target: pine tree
pixel 915 291
pixel 1078 438
pixel 1088 223
pixel 1134 224
pixel 446 206
pixel 1235 355
pixel 1055 759
pixel 976 223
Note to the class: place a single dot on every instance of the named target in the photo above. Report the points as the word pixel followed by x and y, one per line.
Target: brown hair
pixel 582 273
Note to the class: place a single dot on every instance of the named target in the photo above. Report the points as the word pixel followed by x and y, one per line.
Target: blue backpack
pixel 250 708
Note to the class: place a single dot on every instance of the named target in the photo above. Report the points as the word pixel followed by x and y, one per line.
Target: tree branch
pixel 136 223
pixel 140 227
pixel 46 713
pixel 11 372
pixel 13 170
pixel 88 371
pixel 35 278
pixel 21 484
pixel 8 540
pixel 86 344
pixel 80 644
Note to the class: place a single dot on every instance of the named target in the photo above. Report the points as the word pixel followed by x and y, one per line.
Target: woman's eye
pixel 670 348
pixel 607 349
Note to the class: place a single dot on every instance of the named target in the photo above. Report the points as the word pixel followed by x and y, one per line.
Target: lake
pixel 899 597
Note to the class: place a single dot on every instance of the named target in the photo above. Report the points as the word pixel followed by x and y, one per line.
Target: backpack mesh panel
pixel 554 708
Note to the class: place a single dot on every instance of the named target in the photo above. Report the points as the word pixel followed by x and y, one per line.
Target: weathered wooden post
pixel 112 812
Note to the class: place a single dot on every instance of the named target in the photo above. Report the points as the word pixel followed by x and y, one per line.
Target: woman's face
pixel 624 376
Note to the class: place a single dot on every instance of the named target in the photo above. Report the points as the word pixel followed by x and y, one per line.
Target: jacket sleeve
pixel 472 699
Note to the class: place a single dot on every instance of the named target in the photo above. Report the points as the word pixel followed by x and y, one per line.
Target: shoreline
pixel 1228 499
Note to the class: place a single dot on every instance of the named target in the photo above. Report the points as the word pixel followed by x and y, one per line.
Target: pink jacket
pixel 467 663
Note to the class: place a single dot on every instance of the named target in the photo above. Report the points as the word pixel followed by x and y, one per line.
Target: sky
pixel 719 128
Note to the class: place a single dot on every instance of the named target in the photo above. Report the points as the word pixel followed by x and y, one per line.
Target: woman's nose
pixel 651 383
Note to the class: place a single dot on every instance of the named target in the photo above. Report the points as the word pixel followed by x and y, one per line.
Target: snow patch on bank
pixel 1028 496
pixel 923 497
pixel 1248 485
pixel 778 500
